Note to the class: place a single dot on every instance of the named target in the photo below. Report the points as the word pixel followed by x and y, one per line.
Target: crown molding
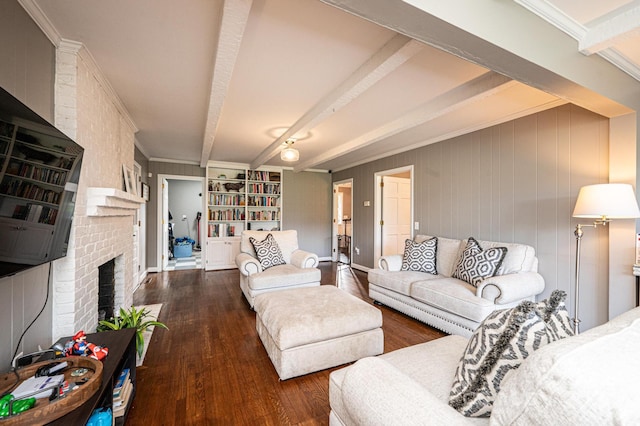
pixel 41 20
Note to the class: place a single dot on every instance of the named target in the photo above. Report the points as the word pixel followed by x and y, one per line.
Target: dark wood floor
pixel 210 367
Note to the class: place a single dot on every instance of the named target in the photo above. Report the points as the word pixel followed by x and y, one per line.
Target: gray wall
pixel 515 182
pixel 306 207
pixel 185 198
pixel 26 71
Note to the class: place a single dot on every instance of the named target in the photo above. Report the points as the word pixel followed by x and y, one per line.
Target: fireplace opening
pixel 106 290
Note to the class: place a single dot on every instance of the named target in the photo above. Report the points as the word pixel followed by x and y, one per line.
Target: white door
pixel 396 214
pixel 165 223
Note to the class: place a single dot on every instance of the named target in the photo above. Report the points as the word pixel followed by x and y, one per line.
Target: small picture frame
pixel 129 182
pixel 145 191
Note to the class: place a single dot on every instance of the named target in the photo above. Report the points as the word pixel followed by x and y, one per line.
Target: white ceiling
pixel 232 80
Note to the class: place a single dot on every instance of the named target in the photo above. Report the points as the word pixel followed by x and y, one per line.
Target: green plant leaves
pixel 133 318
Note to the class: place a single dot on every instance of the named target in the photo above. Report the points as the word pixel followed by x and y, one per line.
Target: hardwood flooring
pixel 210 368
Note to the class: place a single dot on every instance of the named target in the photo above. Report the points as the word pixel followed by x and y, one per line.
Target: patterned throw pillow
pixel 420 257
pixel 500 344
pixel 268 251
pixel 477 264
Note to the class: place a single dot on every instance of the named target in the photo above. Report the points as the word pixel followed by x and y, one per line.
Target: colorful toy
pixel 16 407
pixel 80 346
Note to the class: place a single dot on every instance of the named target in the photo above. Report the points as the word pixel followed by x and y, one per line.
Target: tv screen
pixel 39 173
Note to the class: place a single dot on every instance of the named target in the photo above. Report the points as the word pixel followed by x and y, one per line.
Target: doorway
pixel 139 233
pixel 342 221
pixel 394 211
pixel 180 231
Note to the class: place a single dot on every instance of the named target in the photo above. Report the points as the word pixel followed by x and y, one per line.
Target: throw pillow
pixel 500 344
pixel 420 257
pixel 477 264
pixel 268 251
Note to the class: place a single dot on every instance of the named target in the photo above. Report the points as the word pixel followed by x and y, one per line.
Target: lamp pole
pixel 576 322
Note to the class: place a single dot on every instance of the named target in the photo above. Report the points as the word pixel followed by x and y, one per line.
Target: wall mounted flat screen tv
pixel 39 174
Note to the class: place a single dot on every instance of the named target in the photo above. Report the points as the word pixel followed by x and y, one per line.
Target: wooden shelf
pixel 122 354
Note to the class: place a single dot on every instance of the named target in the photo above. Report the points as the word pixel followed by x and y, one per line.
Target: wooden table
pixel 122 354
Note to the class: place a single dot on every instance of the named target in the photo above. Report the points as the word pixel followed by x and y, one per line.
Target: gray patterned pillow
pixel 268 251
pixel 477 264
pixel 420 257
pixel 500 344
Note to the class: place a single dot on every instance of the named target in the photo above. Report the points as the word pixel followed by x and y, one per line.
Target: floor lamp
pixel 602 202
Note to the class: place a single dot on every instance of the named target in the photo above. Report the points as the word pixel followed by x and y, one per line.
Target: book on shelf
pixel 122 396
pixel 120 407
pixel 120 382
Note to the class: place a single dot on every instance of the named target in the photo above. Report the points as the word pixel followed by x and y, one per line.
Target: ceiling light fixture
pixel 289 153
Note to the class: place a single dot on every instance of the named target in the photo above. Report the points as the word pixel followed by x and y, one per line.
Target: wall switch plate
pixel 416 225
pixel 357 249
pixel 367 203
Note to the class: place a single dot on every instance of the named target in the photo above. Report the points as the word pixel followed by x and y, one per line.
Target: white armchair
pixel 299 270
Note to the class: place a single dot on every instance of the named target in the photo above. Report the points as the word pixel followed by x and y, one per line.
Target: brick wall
pixel 87 111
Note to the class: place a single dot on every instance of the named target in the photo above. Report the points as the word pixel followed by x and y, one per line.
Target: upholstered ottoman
pixel 313 328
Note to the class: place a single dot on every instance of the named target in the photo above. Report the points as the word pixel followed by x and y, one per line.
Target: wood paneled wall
pixel 27 72
pixel 514 182
pixel 306 207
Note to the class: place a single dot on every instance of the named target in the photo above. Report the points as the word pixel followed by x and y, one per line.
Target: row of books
pixel 263 188
pixel 19 188
pixel 262 175
pixel 226 200
pixel 122 393
pixel 35 213
pixel 264 215
pixel 263 200
pixel 226 214
pixel 43 174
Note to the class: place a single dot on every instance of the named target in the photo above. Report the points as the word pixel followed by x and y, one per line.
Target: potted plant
pixel 133 318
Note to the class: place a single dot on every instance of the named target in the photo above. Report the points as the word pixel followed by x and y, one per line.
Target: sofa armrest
pixel 509 288
pixel 247 264
pixel 376 393
pixel 304 259
pixel 390 263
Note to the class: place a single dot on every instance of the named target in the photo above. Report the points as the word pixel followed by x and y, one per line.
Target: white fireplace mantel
pixel 111 202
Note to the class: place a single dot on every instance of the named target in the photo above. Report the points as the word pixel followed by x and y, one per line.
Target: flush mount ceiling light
pixel 289 153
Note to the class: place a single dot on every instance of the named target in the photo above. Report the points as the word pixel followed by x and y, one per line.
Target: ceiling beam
pixel 605 33
pixel 393 54
pixel 479 88
pixel 235 14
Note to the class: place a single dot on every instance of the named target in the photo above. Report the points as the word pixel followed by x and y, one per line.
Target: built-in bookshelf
pixel 239 199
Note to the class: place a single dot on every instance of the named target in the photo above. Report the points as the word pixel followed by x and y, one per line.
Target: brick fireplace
pixel 88 111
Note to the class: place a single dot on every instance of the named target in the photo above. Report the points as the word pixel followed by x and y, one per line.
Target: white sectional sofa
pixel 450 304
pixel 588 379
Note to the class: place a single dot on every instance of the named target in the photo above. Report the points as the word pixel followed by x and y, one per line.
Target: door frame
pixel 140 227
pixel 334 226
pixel 377 202
pixel 162 207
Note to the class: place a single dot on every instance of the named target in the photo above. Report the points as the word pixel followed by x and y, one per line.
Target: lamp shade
pixel 289 153
pixel 607 200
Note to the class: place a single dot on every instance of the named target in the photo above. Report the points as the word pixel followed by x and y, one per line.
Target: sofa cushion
pixel 283 276
pixel 267 251
pixel 287 241
pixel 452 295
pixel 476 264
pixel 589 379
pixel 499 345
pixel 519 257
pixel 420 257
pixel 447 253
pixel 398 281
